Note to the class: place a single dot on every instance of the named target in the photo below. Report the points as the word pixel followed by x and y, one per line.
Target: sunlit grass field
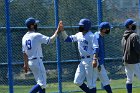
pixel 118 86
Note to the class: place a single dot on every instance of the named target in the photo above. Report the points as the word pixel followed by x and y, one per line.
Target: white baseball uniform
pixel 85 69
pixel 31 45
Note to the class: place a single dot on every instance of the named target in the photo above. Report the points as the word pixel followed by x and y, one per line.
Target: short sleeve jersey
pixel 31 44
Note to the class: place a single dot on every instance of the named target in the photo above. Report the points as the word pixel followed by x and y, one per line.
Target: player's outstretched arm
pixel 64 35
pixel 67 38
pixel 26 67
pixel 59 29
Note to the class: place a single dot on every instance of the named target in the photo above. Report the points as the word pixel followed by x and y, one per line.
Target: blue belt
pixel 36 58
pixel 83 57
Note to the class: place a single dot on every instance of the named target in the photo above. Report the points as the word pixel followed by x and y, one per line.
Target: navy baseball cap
pixel 129 22
pixel 86 23
pixel 104 25
pixel 30 21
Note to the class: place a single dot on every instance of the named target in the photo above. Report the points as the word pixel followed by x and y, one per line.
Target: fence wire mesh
pixel 70 11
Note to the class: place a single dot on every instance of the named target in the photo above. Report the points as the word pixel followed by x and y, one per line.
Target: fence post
pixel 138 23
pixel 9 55
pixel 100 19
pixel 58 47
pixel 99 11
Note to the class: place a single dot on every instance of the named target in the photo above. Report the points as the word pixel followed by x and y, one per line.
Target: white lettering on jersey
pixel 85 44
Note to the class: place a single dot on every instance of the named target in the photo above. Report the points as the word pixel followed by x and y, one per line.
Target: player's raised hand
pixel 60 26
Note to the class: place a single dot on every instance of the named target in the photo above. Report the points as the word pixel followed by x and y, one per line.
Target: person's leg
pixel 137 70
pixel 129 88
pixel 93 90
pixel 104 79
pixel 42 90
pixel 108 88
pixel 39 73
pixel 84 88
pixel 129 70
pixel 42 76
pixel 35 71
pixel 91 76
pixel 79 78
pixel 35 89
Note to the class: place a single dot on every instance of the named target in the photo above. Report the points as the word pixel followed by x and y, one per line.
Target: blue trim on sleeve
pixel 68 39
pixel 48 41
pixel 101 62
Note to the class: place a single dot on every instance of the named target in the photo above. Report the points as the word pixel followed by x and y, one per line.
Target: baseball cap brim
pixel 134 22
pixel 36 21
pixel 80 24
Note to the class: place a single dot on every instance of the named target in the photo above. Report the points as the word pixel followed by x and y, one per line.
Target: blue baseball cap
pixel 129 22
pixel 30 21
pixel 86 23
pixel 104 25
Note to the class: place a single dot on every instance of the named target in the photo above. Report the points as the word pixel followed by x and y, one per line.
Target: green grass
pixel 118 86
pixel 25 89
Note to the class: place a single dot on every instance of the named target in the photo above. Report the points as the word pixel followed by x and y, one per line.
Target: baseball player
pixel 131 53
pixel 99 54
pixel 85 46
pixel 32 53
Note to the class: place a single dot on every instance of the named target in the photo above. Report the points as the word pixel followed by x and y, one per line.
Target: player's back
pixel 31 45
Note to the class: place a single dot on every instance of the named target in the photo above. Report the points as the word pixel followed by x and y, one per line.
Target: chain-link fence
pixel 70 11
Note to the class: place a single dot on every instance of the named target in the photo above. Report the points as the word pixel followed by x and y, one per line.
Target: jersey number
pixel 28 44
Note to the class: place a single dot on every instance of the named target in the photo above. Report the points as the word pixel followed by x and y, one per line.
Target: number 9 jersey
pixel 31 44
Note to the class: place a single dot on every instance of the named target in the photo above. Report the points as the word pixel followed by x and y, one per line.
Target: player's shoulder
pixel 78 34
pixel 35 34
pixel 96 34
pixel 32 35
pixel 90 34
pixel 134 35
pixel 38 34
pixel 24 36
